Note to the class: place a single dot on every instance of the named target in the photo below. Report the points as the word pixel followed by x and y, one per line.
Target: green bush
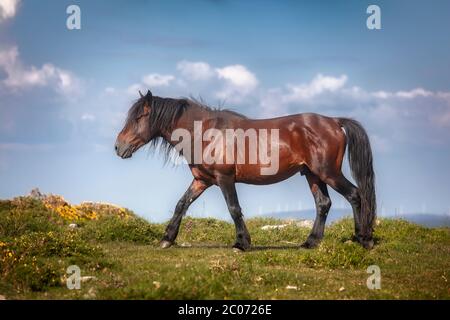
pixel 131 229
pixel 38 260
pixel 37 246
pixel 338 255
pixel 24 215
pixel 338 250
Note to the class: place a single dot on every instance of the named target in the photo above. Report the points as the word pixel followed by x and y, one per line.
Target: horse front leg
pixel 243 241
pixel 193 192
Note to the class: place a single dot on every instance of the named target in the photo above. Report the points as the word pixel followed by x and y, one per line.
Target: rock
pixel 305 223
pixel 341 289
pixel 37 194
pixel 290 242
pixel 87 278
pixel 297 223
pixel 291 287
pixel 186 245
pixel 157 284
pixel 165 244
pixel 271 227
pixel 2 297
pixel 73 226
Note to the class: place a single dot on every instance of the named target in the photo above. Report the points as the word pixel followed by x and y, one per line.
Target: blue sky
pixel 64 93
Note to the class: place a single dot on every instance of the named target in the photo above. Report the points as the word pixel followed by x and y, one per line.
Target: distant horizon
pixel 428 219
pixel 251 213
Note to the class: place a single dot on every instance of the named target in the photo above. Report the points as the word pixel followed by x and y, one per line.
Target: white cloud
pixel 418 92
pixel 157 80
pixel 19 76
pixel 239 83
pixel 150 81
pixel 87 117
pixel 416 116
pixel 195 70
pixel 382 94
pixel 410 94
pixel 233 83
pixel 238 76
pixel 110 90
pixel 318 92
pixel 8 9
pixel 317 86
pixel 134 89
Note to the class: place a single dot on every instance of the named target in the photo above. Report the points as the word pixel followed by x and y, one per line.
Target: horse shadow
pixel 253 248
pixel 353 239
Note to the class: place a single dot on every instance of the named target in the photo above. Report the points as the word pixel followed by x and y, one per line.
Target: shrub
pixel 131 228
pixel 338 255
pixel 38 260
pixel 83 212
pixel 24 215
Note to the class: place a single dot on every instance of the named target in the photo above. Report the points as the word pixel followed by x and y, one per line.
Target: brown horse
pixel 310 144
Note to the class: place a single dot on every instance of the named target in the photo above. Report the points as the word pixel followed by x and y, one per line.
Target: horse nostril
pixel 115 147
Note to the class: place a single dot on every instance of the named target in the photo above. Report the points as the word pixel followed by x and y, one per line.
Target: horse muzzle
pixel 124 151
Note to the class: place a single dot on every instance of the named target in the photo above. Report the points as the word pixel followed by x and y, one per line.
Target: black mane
pixel 164 114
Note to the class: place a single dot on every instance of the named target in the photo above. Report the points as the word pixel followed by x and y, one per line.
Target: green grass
pixel 124 257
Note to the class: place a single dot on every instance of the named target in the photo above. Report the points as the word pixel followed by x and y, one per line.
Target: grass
pixel 122 253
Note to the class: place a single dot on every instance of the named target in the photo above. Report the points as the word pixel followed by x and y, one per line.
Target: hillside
pixel 119 257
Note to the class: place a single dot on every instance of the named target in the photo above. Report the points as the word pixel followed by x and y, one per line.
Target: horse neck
pixel 186 121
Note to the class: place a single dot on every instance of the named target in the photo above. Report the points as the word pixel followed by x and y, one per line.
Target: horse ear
pixel 140 93
pixel 149 97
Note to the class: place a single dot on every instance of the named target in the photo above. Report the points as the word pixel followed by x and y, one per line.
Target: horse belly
pixel 251 174
pixel 281 166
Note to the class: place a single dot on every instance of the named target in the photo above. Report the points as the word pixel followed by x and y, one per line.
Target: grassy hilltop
pixel 119 257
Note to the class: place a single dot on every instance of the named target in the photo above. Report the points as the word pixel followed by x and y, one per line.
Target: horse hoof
pixel 367 244
pixel 240 248
pixel 165 244
pixel 308 245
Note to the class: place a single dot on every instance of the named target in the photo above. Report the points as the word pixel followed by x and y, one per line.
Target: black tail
pixel 361 166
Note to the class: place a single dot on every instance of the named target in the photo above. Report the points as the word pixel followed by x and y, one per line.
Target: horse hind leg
pixel 323 203
pixel 351 194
